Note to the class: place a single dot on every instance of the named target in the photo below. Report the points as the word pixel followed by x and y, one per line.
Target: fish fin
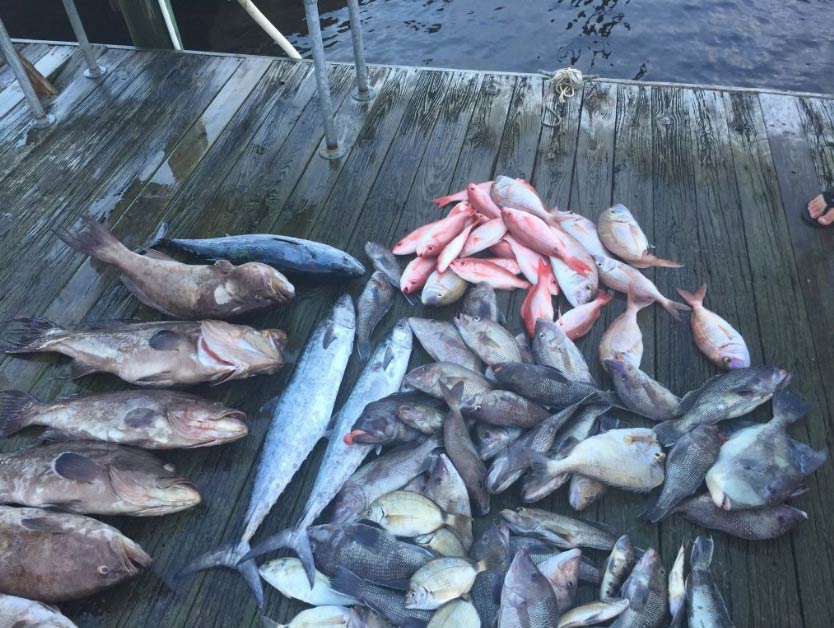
pixel 54 436
pixel 387 358
pixel 347 583
pixel 79 368
pixel 654 512
pixel 789 408
pixel 25 335
pixel 96 240
pixel 577 265
pixel 42 524
pixel 153 254
pixel 459 524
pixel 158 236
pixel 363 348
pixel 268 409
pixel 266 622
pixel 542 468
pixel 452 397
pixel 294 539
pixel 329 335
pixel 229 556
pixel 668 432
pixel 649 259
pixel 674 308
pixel 15 406
pixel 694 298
pixel 441 201
pixel 411 300
pixel 808 458
pixel 702 550
pixel 166 340
pixel 72 466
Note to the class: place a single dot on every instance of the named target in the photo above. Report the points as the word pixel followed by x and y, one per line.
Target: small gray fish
pixel 388 603
pixel 427 379
pixel 561 531
pixel 646 591
pixel 546 385
pixel 618 566
pixel 368 551
pixel 562 572
pixel 480 302
pixel 462 452
pixel 447 489
pixel 758 524
pixel 527 599
pixel 504 408
pixel 422 412
pixel 385 262
pixel 687 464
pixel 762 465
pixel 486 595
pixel 552 347
pixel 492 439
pixel 524 346
pixel 705 606
pixel 384 474
pixel 722 397
pixel 371 307
pixel 442 342
pixel 488 339
pixel 22 613
pixel 640 393
pixel 585 491
pixel 493 546
pixel 380 424
pixel 592 614
pixel 540 551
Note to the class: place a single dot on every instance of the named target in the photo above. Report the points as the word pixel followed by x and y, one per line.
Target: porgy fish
pixel 443 541
pixel 640 393
pixel 518 194
pixel 185 291
pixel 373 304
pixel 621 234
pixel 23 613
pixel 646 591
pixel 429 377
pixel 480 302
pixel 705 608
pixel 442 580
pixel 552 347
pixel 293 256
pixel 762 465
pixel 151 419
pixel 538 304
pixel 154 354
pixel 443 342
pixel 757 524
pixel 54 557
pixel 527 599
pixel 593 613
pixel 723 397
pixel 623 339
pixel 443 288
pixel 289 577
pixel 488 339
pixel 714 336
pixel 623 278
pixel 456 614
pixel 446 488
pixel 583 230
pixel 677 586
pixel 407 514
pixel 686 466
pixel 299 419
pixel 578 288
pixel 630 459
pixel 320 617
pixel 94 478
pixel 578 321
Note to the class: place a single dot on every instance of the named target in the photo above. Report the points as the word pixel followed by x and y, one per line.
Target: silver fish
pixel 646 592
pixel 677 584
pixel 442 341
pixel 592 614
pixel 705 608
pixel 488 339
pixel 299 420
pixel 551 347
pixel 373 304
pixel 429 377
pixel 640 393
pixel 289 577
pixel 480 301
pixel 527 599
pixel 456 614
pixel 381 376
pixel 561 531
pixel 447 489
pixel 492 439
pixel 385 262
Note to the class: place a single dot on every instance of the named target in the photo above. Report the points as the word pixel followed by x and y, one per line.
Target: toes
pixel 827 219
pixel 816 206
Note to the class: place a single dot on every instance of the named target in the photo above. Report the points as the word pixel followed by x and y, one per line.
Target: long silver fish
pixel 299 420
pixel 382 376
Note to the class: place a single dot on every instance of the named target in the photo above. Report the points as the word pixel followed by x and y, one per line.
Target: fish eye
pixel 103 570
pixel 478 408
pixel 727 360
pixel 476 318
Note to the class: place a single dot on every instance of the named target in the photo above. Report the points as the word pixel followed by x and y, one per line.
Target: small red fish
pixel 480 271
pixel 484 237
pixel 482 202
pixel 442 232
pixel 502 249
pixel 440 201
pixel 538 303
pixel 519 194
pixel 507 264
pixel 528 261
pixel 534 233
pixel 578 321
pixel 416 273
pixel 452 250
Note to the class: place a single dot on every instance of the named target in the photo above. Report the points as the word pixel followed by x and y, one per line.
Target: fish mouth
pixel 133 558
pixel 433 298
pixel 225 427
pixel 354 436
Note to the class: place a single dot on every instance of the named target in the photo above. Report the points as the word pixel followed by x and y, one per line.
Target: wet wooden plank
pixel 33 53
pixel 48 65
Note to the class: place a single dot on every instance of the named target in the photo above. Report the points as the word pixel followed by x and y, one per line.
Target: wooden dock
pixel 227 144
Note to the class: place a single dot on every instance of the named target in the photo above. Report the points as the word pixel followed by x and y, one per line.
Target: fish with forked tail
pixel 154 354
pixel 714 336
pixel 705 606
pixel 621 234
pixel 299 420
pixel 386 602
pixel 185 291
pixel 757 524
pixel 371 307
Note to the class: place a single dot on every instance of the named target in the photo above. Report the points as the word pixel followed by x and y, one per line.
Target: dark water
pixel 784 44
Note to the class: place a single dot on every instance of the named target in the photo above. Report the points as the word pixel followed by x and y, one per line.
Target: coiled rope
pixel 564 82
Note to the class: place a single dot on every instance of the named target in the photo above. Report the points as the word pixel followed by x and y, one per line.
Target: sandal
pixel 828 197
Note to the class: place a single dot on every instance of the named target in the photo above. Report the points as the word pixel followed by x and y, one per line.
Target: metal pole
pixel 7 48
pixel 269 28
pixel 94 70
pixel 363 91
pixel 170 23
pixel 331 149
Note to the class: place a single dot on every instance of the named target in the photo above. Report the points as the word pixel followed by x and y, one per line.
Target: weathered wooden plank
pixel 48 65
pixel 33 53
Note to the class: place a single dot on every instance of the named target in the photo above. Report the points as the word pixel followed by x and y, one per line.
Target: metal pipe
pixel 363 91
pixel 7 48
pixel 170 23
pixel 262 21
pixel 331 149
pixel 94 70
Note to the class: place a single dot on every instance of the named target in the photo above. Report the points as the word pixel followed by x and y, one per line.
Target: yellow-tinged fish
pixel 404 513
pixel 441 581
pixel 456 614
pixel 622 235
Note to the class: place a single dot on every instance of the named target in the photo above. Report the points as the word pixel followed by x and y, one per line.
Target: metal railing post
pixel 94 70
pixel 331 149
pixel 363 91
pixel 7 48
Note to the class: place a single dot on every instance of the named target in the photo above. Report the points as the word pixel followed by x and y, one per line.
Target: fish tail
pixel 452 397
pixel 810 459
pixel 25 335
pixel 95 239
pixel 694 298
pixel 15 406
pixel 789 408
pixel 459 524
pixel 702 550
pixel 655 512
pixel 294 539
pixel 440 201
pixel 542 468
pixel 668 432
pixel 266 622
pixel 158 236
pixel 229 556
pixel 674 308
pixel 650 260
pixel 363 348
